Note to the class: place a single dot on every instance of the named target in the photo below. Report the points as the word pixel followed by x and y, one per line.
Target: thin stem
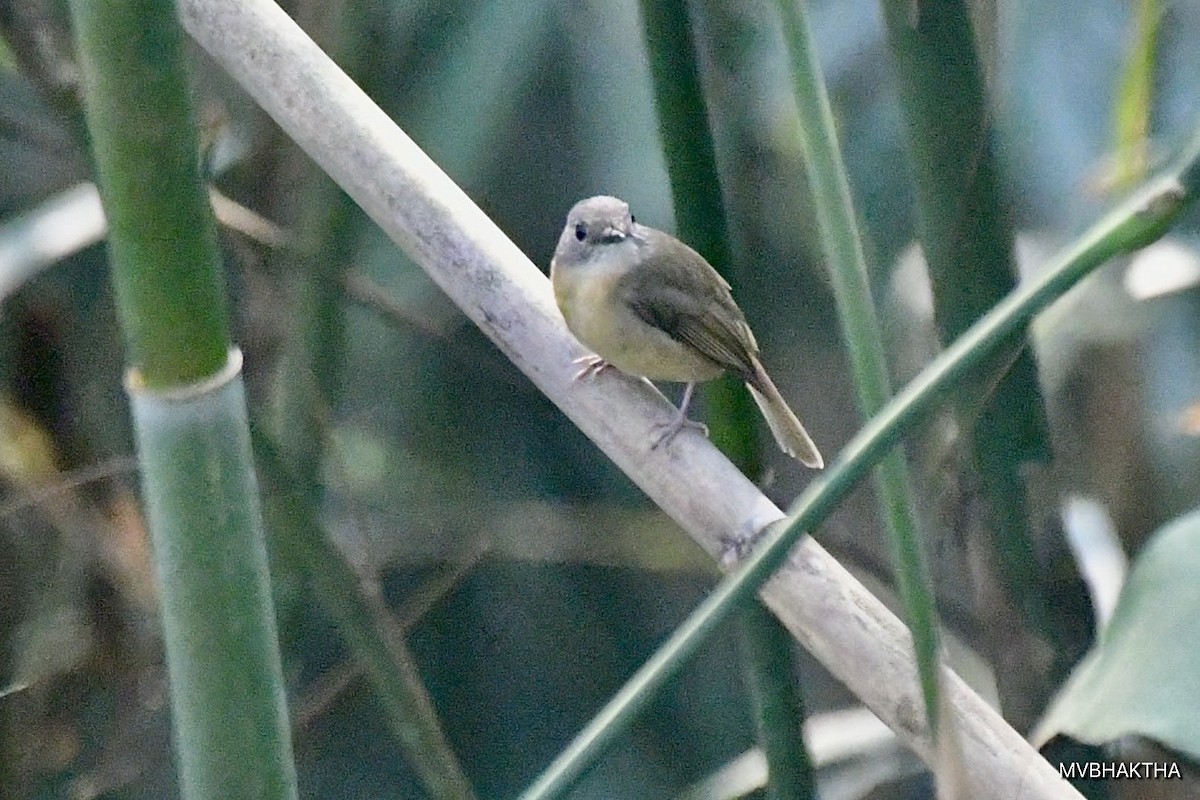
pixel 860 328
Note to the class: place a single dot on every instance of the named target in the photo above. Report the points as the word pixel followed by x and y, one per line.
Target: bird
pixel 647 304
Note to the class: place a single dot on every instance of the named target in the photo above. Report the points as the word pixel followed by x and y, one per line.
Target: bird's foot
pixel 668 430
pixel 593 365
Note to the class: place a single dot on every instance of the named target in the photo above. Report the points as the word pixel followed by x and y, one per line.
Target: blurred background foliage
pixel 528 574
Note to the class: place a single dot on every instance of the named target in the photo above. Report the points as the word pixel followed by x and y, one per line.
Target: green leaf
pixel 1141 676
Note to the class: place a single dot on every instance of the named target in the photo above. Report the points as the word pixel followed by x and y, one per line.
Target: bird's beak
pixel 614 234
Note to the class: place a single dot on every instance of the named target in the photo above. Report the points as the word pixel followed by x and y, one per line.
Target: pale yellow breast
pixel 610 329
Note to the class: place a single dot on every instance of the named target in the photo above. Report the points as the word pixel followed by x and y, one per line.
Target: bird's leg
pixel 680 421
pixel 592 365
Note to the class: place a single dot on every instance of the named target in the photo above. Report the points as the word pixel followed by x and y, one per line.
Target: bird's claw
pixel 593 365
pixel 670 429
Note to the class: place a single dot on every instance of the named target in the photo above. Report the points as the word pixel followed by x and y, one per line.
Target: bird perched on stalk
pixel 649 305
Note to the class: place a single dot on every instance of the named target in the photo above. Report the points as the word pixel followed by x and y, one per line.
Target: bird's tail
pixel 788 431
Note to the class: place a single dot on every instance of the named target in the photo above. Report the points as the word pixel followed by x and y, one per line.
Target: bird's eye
pixel 580 231
pixel 632 219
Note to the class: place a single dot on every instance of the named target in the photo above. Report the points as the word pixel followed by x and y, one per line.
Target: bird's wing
pixel 676 291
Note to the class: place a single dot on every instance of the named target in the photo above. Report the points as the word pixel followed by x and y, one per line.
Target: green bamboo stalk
pixel 691 158
pixel 778 704
pixel 312 374
pixel 188 405
pixel 169 292
pixel 860 327
pixel 967 238
pixel 1136 95
pixel 1140 220
pixel 696 190
pixel 228 709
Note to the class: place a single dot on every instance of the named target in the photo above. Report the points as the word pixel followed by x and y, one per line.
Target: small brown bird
pixel 651 306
